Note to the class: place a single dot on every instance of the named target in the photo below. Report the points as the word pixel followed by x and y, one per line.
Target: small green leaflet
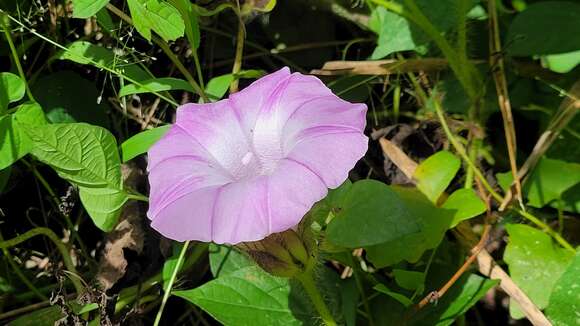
pixel 141 142
pixel 87 8
pixel 12 89
pixel 156 85
pixel 159 16
pixel 435 174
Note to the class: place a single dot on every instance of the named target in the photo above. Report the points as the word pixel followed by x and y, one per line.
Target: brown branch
pixel 498 71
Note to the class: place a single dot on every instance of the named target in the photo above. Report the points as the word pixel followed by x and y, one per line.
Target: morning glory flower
pixel 243 168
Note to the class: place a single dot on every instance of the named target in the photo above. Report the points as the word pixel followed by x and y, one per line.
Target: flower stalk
pixel 307 281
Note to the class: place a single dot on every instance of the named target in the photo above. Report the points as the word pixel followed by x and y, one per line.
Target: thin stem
pixel 170 283
pixel 16 59
pixel 165 47
pixel 239 55
pixel 138 197
pixel 19 273
pixel 461 151
pixel 307 281
pixel 59 245
pixel 90 61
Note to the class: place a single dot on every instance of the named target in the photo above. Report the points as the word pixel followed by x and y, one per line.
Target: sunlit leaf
pixel 141 142
pixel 535 264
pixel 435 174
pixel 159 16
pixel 87 8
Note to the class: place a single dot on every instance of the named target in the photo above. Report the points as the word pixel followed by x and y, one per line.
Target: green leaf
pixel 249 296
pixel 158 16
pixel 535 264
pixel 156 85
pixel 87 156
pixel 67 97
pixel 562 63
pixel 397 296
pixel 87 8
pixel 465 293
pixel 185 8
pixel 394 33
pixel 542 29
pixel 224 260
pixel 14 141
pixel 41 317
pixel 466 205
pixel 141 142
pixel 105 20
pixel 372 213
pixel 12 89
pixel 84 52
pixel 103 205
pixel 218 86
pixel 564 303
pixel 171 262
pixel 548 181
pixel 432 221
pixel 409 280
pixel 435 174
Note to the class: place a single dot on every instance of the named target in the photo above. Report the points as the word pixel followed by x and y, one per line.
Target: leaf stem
pixel 16 59
pixel 167 290
pixel 307 281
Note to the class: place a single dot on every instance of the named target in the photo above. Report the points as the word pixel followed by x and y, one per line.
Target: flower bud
pixel 282 254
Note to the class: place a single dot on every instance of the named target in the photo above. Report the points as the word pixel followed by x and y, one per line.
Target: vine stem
pixel 307 281
pixel 59 245
pixel 167 290
pixel 16 58
pixel 239 52
pixel 461 151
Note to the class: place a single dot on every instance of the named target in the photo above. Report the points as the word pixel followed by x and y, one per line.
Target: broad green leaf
pixel 397 296
pixel 185 8
pixel 548 181
pixel 409 280
pixel 87 156
pixel 394 33
pixel 141 142
pixel 465 293
pixel 544 28
pixel 79 152
pixel 432 222
pixel 84 52
pixel 466 205
pixel 41 317
pixel 562 63
pixel 87 8
pixel 398 34
pixel 66 97
pixel 372 213
pixel 159 16
pixel 535 264
pixel 14 141
pixel 12 89
pixel 435 174
pixel 103 205
pixel 156 85
pixel 249 296
pixel 224 260
pixel 564 303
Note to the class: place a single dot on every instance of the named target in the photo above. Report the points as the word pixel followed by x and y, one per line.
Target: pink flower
pixel 243 168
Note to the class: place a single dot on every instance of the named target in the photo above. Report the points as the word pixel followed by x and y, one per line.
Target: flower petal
pixel 189 217
pixel 330 156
